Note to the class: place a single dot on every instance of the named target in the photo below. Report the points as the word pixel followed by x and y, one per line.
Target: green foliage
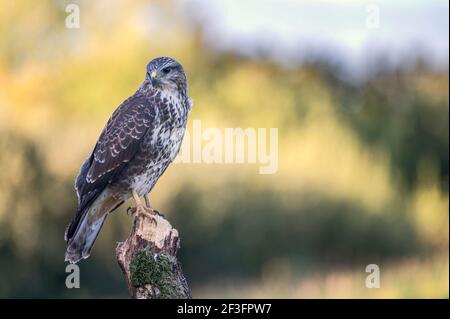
pixel 307 233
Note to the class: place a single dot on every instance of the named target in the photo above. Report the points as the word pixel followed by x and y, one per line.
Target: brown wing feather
pixel 116 146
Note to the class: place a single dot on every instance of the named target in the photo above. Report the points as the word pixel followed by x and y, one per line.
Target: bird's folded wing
pixel 117 145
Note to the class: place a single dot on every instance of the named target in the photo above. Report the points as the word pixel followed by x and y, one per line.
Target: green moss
pixel 158 271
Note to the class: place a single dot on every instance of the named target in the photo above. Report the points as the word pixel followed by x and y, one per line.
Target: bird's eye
pixel 166 70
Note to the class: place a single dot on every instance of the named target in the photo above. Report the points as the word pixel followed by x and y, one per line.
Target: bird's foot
pixel 156 212
pixel 143 211
pixel 131 211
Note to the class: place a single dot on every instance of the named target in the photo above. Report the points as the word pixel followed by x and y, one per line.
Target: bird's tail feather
pixel 82 232
pixel 80 245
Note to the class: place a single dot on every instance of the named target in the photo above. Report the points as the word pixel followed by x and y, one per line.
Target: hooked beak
pixel 154 78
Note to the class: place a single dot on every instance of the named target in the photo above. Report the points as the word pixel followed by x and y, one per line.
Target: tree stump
pixel 148 260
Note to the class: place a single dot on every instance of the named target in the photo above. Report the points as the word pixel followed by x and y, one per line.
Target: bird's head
pixel 165 73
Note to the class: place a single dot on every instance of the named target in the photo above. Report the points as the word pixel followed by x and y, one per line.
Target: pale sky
pixel 291 28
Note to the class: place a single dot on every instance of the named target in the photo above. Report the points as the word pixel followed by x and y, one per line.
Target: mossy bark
pixel 148 260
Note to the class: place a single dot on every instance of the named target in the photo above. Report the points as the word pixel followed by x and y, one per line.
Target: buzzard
pixel 138 143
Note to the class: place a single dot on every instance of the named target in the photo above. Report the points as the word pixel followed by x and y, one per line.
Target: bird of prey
pixel 139 141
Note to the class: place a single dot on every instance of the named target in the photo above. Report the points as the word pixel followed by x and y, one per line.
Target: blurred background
pixel 357 89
